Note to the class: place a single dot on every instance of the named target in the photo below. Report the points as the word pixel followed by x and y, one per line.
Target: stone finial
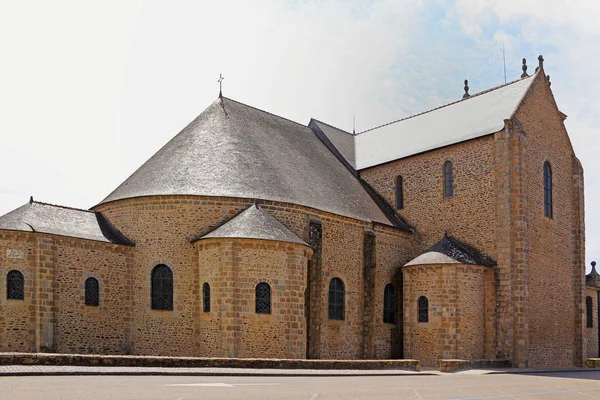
pixel 524 68
pixel 30 199
pixel 593 265
pixel 548 77
pixel 466 90
pixel 541 61
pixel 256 204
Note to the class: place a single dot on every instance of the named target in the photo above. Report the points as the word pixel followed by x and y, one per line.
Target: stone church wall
pixel 554 246
pixel 162 228
pixel 18 317
pixel 591 333
pixel 457 327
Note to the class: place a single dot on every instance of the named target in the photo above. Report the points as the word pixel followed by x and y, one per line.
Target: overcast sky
pixel 89 90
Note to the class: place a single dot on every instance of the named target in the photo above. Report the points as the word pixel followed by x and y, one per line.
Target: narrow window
pixel 389 304
pixel 588 312
pixel 15 285
pixel 92 292
pixel 423 309
pixel 206 297
pixel 263 298
pixel 336 299
pixel 162 288
pixel 547 190
pixel 448 180
pixel 399 193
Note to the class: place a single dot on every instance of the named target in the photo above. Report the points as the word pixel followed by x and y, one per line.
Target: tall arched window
pixel 389 304
pixel 589 307
pixel 263 298
pixel 423 304
pixel 399 193
pixel 336 299
pixel 206 297
pixel 92 292
pixel 547 190
pixel 162 288
pixel 15 285
pixel 448 180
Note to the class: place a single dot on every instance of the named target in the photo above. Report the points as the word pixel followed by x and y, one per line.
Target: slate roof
pixel 254 223
pixel 478 115
pixel 235 150
pixel 593 278
pixel 64 221
pixel 451 251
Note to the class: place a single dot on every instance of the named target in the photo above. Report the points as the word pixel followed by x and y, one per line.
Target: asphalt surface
pixel 469 385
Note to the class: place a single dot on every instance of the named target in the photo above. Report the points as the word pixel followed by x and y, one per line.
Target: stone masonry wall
pixel 555 267
pixel 457 326
pixel 162 228
pixel 233 268
pixel 591 334
pixel 18 317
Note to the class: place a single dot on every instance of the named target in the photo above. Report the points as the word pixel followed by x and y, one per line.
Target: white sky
pixel 90 90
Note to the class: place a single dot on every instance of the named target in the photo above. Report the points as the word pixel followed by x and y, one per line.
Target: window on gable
pixel 92 292
pixel 206 297
pixel 399 193
pixel 263 298
pixel 423 305
pixel 15 285
pixel 389 304
pixel 336 299
pixel 547 190
pixel 589 317
pixel 162 288
pixel 448 180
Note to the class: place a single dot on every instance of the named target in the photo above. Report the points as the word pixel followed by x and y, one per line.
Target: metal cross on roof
pixel 221 77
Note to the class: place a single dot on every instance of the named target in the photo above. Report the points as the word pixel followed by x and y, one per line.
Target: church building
pixel 457 233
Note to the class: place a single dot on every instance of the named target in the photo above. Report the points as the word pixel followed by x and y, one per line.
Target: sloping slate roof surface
pixel 235 150
pixel 478 115
pixel 470 118
pixel 342 140
pixel 451 251
pixel 64 221
pixel 255 223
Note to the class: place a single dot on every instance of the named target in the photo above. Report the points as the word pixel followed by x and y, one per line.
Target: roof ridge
pixel 266 112
pixel 446 105
pixel 334 127
pixel 60 206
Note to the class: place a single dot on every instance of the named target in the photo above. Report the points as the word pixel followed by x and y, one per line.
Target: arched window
pixel 336 299
pixel 547 190
pixel 448 180
pixel 399 193
pixel 206 297
pixel 589 317
pixel 15 285
pixel 389 304
pixel 263 298
pixel 423 309
pixel 162 288
pixel 92 292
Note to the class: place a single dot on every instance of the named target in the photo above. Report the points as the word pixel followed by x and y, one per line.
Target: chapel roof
pixel 593 278
pixel 254 223
pixel 451 251
pixel 41 217
pixel 469 118
pixel 234 150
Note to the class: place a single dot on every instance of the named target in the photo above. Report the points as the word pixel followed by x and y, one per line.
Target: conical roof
pixel 593 278
pixel 235 150
pixel 255 223
pixel 451 251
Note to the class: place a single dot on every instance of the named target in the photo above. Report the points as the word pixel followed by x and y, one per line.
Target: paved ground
pixel 461 386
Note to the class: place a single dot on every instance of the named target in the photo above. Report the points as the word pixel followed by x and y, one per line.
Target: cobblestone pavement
pixel 580 385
